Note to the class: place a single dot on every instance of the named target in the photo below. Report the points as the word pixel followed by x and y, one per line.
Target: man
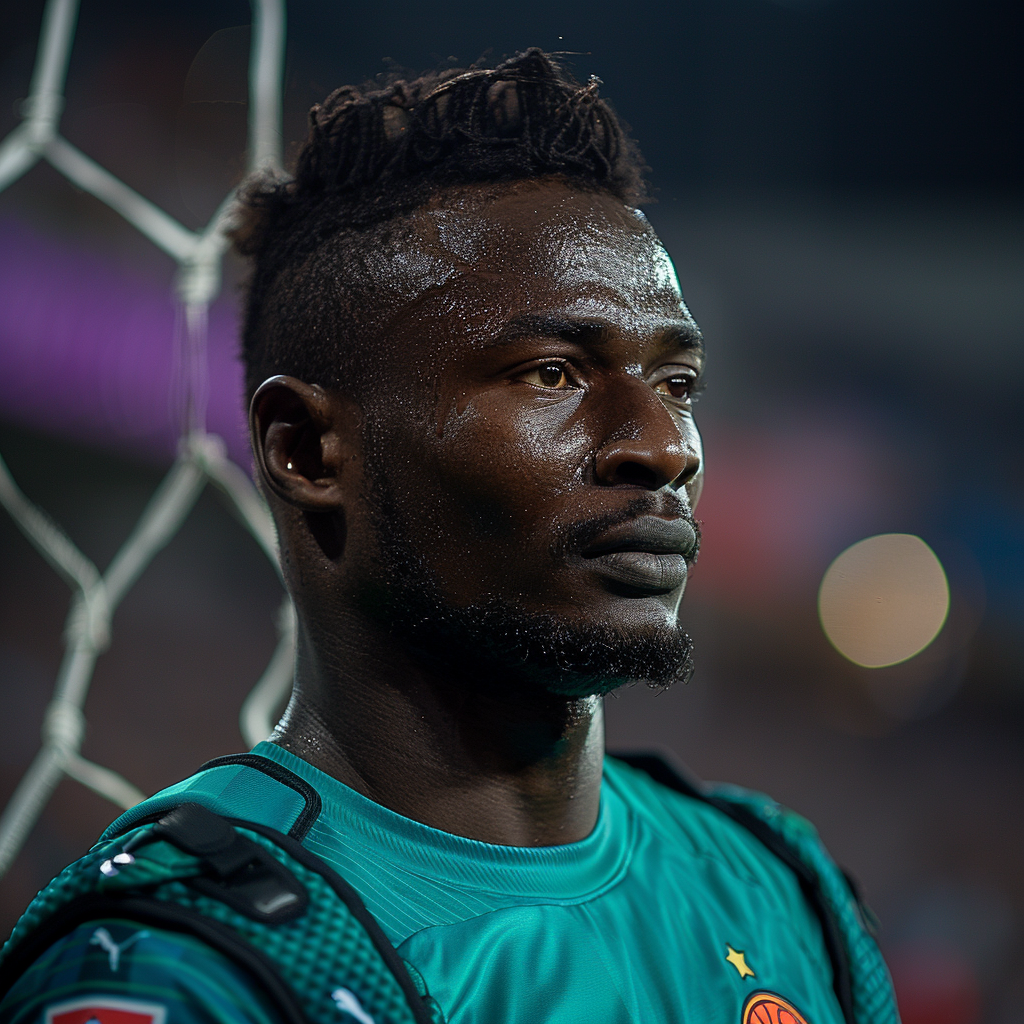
pixel 472 377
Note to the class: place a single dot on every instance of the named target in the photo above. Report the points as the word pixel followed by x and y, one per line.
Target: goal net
pixel 202 457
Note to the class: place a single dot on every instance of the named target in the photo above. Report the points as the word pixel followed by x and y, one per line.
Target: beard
pixel 495 640
pixel 573 659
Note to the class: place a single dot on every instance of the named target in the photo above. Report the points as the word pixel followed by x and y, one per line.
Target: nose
pixel 647 447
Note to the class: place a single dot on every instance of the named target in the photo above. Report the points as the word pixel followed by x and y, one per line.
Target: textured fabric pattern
pixel 325 949
pixel 319 953
pixel 76 879
pixel 874 1000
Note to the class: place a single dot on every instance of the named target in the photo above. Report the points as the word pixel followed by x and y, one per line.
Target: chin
pixel 599 662
pixel 571 656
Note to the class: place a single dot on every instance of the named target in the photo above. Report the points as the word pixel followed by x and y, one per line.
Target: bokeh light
pixel 884 599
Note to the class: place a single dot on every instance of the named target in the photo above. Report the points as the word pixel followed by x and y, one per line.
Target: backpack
pixel 249 889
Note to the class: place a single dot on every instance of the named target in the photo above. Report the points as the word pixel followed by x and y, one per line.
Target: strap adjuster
pixel 236 870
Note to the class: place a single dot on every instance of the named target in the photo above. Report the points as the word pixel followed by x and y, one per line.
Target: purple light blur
pixel 87 350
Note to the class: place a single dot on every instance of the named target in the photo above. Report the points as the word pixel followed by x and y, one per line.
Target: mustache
pixel 575 537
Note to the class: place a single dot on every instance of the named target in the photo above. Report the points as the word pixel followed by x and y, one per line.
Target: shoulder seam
pixel 278 772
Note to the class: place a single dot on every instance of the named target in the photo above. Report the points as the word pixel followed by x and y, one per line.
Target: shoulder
pixel 695 818
pixel 760 839
pixel 149 975
pixel 734 841
pixel 251 787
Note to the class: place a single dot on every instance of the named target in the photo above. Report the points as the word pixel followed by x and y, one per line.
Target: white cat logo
pixel 344 1000
pixel 102 938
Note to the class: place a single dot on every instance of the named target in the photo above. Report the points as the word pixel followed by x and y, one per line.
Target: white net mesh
pixel 202 457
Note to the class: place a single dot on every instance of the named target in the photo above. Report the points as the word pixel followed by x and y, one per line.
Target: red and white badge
pixel 768 1008
pixel 99 1009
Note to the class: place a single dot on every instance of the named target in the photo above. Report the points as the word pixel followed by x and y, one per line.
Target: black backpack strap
pixel 810 883
pixel 354 903
pixel 234 870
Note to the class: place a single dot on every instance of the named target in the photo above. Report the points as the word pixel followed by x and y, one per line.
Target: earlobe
pixel 297 439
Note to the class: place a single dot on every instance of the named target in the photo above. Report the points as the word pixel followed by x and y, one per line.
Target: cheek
pixel 504 469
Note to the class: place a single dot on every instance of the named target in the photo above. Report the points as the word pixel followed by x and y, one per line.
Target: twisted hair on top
pixel 379 150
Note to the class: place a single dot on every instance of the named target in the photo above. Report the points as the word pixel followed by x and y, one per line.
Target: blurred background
pixel 839 182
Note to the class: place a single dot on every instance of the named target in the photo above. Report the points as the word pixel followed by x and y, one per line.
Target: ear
pixel 301 437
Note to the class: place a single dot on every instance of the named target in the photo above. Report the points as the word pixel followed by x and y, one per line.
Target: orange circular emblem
pixel 767 1008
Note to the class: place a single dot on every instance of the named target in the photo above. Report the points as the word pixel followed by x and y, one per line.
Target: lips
pixel 646 554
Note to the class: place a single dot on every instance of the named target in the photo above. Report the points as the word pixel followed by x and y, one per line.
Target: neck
pixel 494 759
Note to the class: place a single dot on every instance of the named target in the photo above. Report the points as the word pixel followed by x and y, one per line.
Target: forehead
pixel 482 254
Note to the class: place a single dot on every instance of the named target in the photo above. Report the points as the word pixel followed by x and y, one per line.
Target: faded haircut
pixel 378 151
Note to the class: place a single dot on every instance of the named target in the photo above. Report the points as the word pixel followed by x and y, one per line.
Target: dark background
pixel 839 182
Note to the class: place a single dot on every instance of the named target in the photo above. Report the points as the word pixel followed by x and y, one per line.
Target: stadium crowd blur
pixel 839 184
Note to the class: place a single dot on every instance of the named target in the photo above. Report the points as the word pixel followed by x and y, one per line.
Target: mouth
pixel 646 555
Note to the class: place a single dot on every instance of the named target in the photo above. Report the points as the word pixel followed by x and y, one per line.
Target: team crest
pixel 100 1009
pixel 768 1008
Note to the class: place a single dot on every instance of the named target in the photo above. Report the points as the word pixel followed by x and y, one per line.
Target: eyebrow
pixel 585 330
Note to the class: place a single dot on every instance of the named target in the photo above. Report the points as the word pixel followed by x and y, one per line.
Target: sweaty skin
pixel 536 374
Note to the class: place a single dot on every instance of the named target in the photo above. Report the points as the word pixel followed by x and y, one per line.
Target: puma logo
pixel 102 938
pixel 346 1001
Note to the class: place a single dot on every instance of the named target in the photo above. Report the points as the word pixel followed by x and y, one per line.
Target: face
pixel 532 457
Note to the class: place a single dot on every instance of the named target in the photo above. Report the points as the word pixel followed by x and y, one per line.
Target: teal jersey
pixel 668 912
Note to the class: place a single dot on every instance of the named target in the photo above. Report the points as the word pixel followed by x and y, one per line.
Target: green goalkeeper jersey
pixel 668 912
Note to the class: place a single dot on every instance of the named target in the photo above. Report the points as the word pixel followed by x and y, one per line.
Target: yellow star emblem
pixel 737 958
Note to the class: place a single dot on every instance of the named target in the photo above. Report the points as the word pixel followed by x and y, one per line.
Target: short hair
pixel 378 151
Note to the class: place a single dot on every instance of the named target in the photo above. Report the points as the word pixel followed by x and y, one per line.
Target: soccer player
pixel 472 377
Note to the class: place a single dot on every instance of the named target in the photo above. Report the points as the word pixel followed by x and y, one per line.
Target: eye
pixel 681 386
pixel 551 376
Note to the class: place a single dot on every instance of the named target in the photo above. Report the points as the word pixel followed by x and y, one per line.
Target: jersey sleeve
pixel 118 972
